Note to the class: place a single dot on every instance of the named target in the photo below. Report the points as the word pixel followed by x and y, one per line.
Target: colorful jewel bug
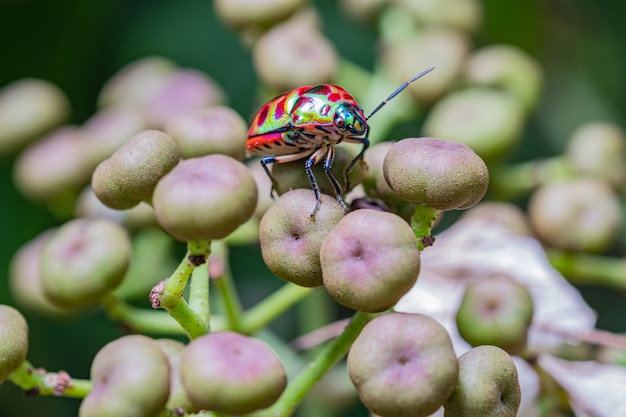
pixel 307 122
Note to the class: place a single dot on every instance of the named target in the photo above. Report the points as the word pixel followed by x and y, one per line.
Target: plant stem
pixel 141 320
pixel 520 179
pixel 169 295
pixel 39 382
pixel 582 268
pixel 271 307
pixel 226 287
pixel 332 352
pixel 422 222
pixel 199 293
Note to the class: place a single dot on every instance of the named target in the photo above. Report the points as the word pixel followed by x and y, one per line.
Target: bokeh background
pixel 78 45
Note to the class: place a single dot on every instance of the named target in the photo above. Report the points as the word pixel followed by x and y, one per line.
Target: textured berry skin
pixel 307 122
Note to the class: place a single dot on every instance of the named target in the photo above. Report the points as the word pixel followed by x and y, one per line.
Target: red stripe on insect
pixel 280 108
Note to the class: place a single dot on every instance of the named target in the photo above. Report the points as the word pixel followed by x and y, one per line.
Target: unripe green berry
pixel 504 214
pixel 442 175
pixel 131 377
pixel 581 215
pixel 29 108
pixel 136 83
pixel 13 340
pixel 488 385
pixel 132 172
pixel 374 182
pixel 487 120
pixel 25 278
pixel 230 373
pixel 465 15
pixel 205 198
pixel 83 261
pixel 403 365
pixel 496 310
pixel 181 92
pixel 598 150
pixel 370 260
pixel 291 240
pixel 509 68
pixel 208 130
pixel 293 54
pixel 444 49
pixel 242 13
pixel 108 129
pixel 178 398
pixel 54 165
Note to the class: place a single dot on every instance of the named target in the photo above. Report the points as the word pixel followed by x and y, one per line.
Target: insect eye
pixel 339 122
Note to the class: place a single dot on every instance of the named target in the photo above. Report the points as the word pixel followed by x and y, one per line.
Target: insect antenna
pixel 398 90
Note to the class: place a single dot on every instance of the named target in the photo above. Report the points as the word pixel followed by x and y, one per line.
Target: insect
pixel 307 122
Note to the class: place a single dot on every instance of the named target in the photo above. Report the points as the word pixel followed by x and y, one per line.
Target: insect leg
pixel 328 164
pixel 266 160
pixel 364 141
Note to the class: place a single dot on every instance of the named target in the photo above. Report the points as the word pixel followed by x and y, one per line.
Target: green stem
pixel 227 290
pixel 170 296
pixel 176 283
pixel 271 307
pixel 581 268
pixel 140 320
pixel 40 382
pixel 302 384
pixel 512 181
pixel 422 222
pixel 199 293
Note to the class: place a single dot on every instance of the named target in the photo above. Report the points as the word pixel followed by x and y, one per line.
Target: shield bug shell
pixel 307 122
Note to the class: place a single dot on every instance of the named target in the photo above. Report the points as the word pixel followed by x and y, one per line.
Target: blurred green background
pixel 80 44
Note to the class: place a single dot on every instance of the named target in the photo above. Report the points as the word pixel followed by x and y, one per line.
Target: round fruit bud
pixel 136 83
pixel 580 215
pixel 230 373
pixel 181 92
pixel 138 217
pixel 487 120
pixel 444 49
pixel 292 175
pixel 205 198
pixel 488 385
pixel 108 129
pixel 25 279
pixel 13 340
pixel 374 182
pixel 294 53
pixel 240 13
pixel 291 240
pixel 598 150
pixel 496 310
pixel 442 175
pixel 54 165
pixel 370 260
pixel 208 130
pixel 178 399
pixel 504 214
pixel 464 15
pixel 83 261
pixel 509 68
pixel 131 174
pixel 29 108
pixel 403 365
pixel 131 377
